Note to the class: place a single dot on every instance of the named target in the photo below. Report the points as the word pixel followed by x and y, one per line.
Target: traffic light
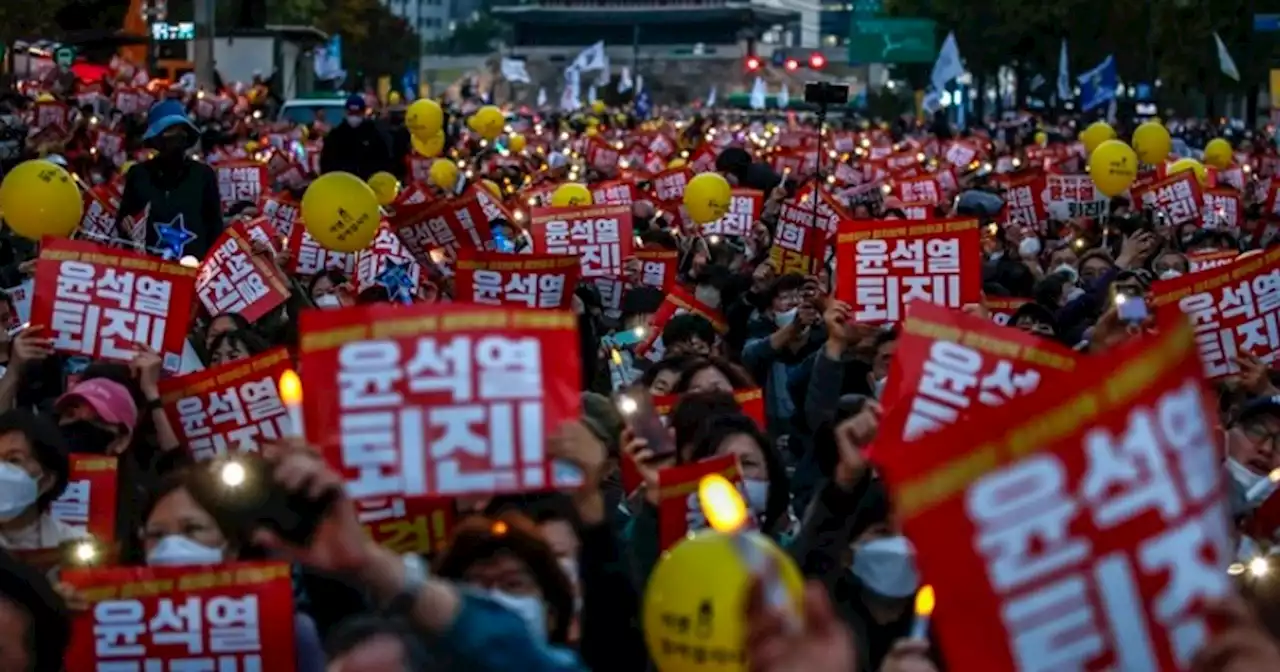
pixel 792 64
pixel 753 63
pixel 817 61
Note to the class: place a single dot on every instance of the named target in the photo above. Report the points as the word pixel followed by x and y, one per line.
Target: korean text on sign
pixel 951 363
pixel 89 502
pixel 1235 310
pixel 420 525
pixel 232 618
pixel 601 236
pixel 439 401
pixel 531 280
pixel 234 280
pixel 1090 534
pixel 100 302
pixel 241 181
pixel 1177 198
pixel 887 264
pixel 745 207
pixel 228 407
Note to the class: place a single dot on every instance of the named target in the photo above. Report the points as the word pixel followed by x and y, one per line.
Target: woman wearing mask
pixel 33 473
pixel 177 196
pixel 764 477
pixel 331 289
pixel 177 531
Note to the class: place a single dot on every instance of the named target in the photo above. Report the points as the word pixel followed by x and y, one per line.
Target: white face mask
pixel 887 567
pixel 177 550
pixel 529 608
pixel 1170 274
pixel 707 295
pixel 1029 247
pixel 1069 270
pixel 785 317
pixel 757 493
pixel 328 301
pixel 1244 477
pixel 354 120
pixel 18 491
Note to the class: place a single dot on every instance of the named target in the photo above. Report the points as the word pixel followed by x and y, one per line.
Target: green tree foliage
pixel 28 19
pixel 374 40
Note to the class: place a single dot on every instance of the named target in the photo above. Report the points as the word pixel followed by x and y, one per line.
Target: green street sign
pixel 867 7
pixel 884 40
pixel 64 56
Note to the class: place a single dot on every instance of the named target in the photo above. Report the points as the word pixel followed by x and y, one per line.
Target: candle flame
pixel 290 388
pixel 721 503
pixel 925 601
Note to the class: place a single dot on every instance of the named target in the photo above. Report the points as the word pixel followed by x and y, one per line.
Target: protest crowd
pixel 440 385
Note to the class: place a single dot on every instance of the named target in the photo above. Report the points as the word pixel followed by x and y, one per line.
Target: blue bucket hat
pixel 165 115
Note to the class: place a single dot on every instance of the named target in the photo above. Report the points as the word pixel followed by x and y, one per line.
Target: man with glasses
pixel 1253 446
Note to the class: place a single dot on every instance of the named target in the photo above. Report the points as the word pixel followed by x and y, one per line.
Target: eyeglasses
pixel 1260 434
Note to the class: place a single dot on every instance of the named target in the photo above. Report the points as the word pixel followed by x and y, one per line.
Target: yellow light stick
pixel 291 396
pixel 925 601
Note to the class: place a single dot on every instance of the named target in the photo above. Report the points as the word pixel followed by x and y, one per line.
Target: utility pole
pixel 203 46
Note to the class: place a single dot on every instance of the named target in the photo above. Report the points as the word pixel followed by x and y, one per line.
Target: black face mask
pixel 83 436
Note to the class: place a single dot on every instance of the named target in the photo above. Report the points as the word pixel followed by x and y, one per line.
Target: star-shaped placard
pixel 397 279
pixel 172 238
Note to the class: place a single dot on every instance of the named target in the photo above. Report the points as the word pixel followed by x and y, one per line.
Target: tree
pixel 28 19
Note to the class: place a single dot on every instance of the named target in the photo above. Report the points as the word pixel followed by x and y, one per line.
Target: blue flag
pixel 1098 86
pixel 409 82
pixel 644 106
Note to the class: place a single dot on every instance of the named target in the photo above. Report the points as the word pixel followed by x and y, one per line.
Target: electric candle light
pixel 925 601
pixel 291 395
pixel 726 512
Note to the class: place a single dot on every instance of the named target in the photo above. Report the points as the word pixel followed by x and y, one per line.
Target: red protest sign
pixel 745 207
pixel 669 184
pixel 750 400
pixel 451 223
pixel 1176 197
pixel 381 265
pixel 946 360
pixel 89 502
pixel 308 257
pixel 1072 196
pixel 1023 200
pixel 432 400
pixel 658 268
pixel 420 525
pixel 531 280
pixel 223 408
pixel 1233 309
pixel 1002 310
pixel 679 511
pixel 233 279
pixel 887 264
pixel 919 190
pixel 676 302
pixel 800 241
pixel 1207 259
pixel 99 219
pixel 1223 208
pixel 616 192
pixel 599 235
pixel 283 213
pixel 241 181
pixel 1090 533
pixel 236 617
pixel 98 302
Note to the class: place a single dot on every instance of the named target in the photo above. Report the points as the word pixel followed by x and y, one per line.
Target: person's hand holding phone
pixel 637 450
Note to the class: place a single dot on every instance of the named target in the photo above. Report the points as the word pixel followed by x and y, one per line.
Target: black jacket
pixel 360 150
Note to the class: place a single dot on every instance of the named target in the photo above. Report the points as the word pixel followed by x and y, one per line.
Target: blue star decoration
pixel 397 280
pixel 172 238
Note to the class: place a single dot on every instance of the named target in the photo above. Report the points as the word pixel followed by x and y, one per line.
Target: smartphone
pixel 636 406
pixel 1131 308
pixel 242 486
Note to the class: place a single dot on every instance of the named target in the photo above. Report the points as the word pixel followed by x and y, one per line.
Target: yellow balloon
pixel 1042 138
pixel 592 131
pixel 394 98
pixel 1182 165
pixel 1152 143
pixel 487 122
pixel 696 598
pixel 39 198
pixel 677 163
pixel 385 186
pixel 251 146
pixel 570 193
pixel 424 118
pixel 1218 153
pixel 341 212
pixel 428 147
pixel 706 197
pixel 443 173
pixel 492 187
pixel 1097 133
pixel 516 142
pixel 1113 166
pixel 597 106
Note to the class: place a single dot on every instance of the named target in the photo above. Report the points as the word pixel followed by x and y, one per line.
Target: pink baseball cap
pixel 109 399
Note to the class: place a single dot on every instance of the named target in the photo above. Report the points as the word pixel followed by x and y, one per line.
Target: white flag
pixel 1064 78
pixel 591 94
pixel 948 65
pixel 605 75
pixel 1225 64
pixel 784 97
pixel 624 80
pixel 591 58
pixel 542 96
pixel 513 71
pixel 570 98
pixel 758 94
pixel 639 84
pixel 711 97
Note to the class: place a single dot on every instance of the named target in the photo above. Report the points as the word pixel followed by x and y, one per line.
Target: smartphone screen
pixel 636 406
pixel 1130 308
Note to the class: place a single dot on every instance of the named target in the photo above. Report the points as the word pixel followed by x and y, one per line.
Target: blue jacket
pixel 487 636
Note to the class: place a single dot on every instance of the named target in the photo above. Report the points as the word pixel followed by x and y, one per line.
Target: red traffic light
pixel 753 63
pixel 792 64
pixel 817 61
